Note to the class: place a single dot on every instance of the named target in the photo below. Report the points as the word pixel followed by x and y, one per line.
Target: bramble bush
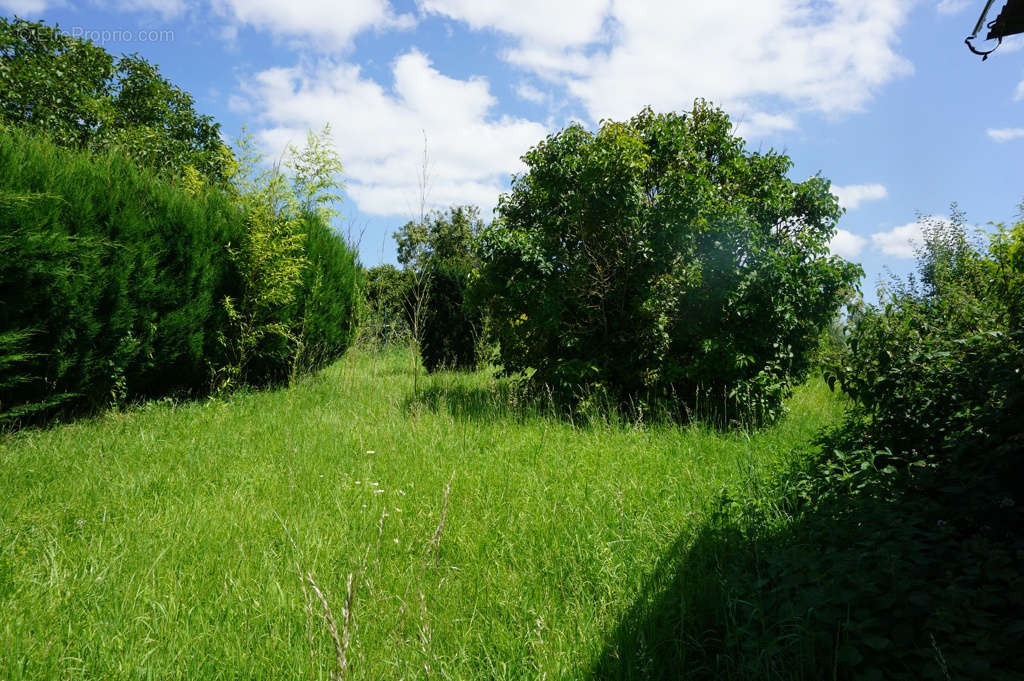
pixel 656 263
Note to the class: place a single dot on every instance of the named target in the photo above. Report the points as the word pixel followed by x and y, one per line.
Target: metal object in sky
pixel 1009 21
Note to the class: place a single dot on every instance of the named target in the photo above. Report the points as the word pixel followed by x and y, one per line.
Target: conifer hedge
pixel 113 283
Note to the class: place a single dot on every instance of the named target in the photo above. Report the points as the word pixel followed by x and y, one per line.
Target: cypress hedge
pixel 113 282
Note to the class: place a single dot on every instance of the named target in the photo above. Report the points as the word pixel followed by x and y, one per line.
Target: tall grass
pixel 484 537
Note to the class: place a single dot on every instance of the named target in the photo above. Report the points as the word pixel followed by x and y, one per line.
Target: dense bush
pixel 114 278
pixel 385 313
pixel 657 261
pixel 440 251
pixel 895 552
pixel 84 98
pixel 326 319
pixel 936 369
pixel 450 326
pixel 116 285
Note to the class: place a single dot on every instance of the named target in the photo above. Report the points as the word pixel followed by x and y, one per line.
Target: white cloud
pixel 852 195
pixel 380 132
pixel 558 23
pixel 531 93
pixel 329 24
pixel 1019 93
pixel 26 7
pixel 774 58
pixel 1005 134
pixel 759 124
pixel 952 6
pixel 847 244
pixel 900 242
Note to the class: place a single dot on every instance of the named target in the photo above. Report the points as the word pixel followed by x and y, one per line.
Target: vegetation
pixel 658 263
pixel 441 251
pixel 670 287
pixel 117 285
pixel 485 537
pixel 111 277
pixel 84 98
pixel 386 291
pixel 894 552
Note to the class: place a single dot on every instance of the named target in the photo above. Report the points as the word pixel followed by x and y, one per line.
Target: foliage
pixel 115 276
pixel 935 371
pixel 442 237
pixel 450 325
pixel 84 98
pixel 440 250
pixel 386 291
pixel 297 307
pixel 894 552
pixel 658 261
pixel 116 285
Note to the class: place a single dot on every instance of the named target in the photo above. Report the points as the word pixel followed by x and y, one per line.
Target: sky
pixel 879 96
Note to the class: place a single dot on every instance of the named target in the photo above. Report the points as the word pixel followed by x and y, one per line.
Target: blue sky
pixel 880 96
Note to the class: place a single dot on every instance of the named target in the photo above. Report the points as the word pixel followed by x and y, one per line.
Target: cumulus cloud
pixel 900 242
pixel 847 244
pixel 329 24
pixel 1018 94
pixel 852 195
pixel 1005 134
pixel 380 132
pixel 773 58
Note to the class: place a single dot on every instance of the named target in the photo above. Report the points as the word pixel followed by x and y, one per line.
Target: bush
pixel 113 277
pixel 116 285
pixel 450 326
pixel 385 313
pixel 936 370
pixel 440 252
pixel 657 262
pixel 328 295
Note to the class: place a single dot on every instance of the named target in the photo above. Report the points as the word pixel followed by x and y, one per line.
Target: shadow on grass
pixel 497 399
pixel 856 590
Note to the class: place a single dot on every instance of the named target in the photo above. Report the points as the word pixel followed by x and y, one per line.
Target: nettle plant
pixel 658 264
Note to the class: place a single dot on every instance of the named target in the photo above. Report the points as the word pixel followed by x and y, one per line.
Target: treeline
pixel 140 256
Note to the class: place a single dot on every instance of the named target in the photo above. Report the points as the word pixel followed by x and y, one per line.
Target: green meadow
pixel 367 522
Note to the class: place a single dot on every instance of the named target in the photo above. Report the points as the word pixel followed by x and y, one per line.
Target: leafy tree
pixel 440 250
pixel 657 261
pixel 386 295
pixel 446 237
pixel 84 98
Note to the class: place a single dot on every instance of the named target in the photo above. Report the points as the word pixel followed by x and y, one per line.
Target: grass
pixel 485 539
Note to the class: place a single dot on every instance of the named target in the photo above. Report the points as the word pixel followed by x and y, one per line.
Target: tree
pixel 84 98
pixel 656 262
pixel 440 249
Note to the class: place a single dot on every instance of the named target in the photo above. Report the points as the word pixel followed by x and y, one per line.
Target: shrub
pixel 440 252
pixel 936 370
pixel 386 291
pixel 114 276
pixel 657 261
pixel 450 326
pixel 326 320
